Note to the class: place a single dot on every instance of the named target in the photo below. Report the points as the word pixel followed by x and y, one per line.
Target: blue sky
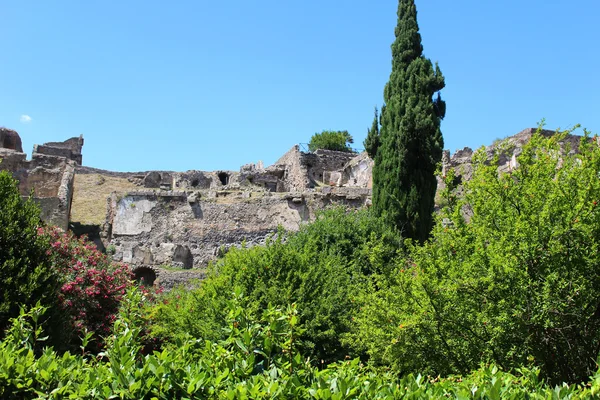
pixel 216 84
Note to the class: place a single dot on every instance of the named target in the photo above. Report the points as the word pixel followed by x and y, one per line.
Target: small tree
pixel 411 142
pixel 331 140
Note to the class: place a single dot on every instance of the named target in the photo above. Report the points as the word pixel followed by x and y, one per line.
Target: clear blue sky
pixel 196 84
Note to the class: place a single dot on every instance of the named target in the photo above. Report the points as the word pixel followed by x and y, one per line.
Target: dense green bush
pixel 26 275
pixel 257 359
pixel 319 268
pixel 331 140
pixel 516 284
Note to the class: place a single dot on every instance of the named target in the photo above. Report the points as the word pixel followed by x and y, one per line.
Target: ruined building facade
pixel 172 224
pixel 48 176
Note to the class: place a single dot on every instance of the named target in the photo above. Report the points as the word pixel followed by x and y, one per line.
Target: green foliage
pixel 257 360
pixel 319 269
pixel 517 284
pixel 331 140
pixel 25 274
pixel 373 140
pixel 92 284
pixel 411 142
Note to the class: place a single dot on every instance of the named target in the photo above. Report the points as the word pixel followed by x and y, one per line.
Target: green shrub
pixel 257 359
pixel 319 268
pixel 516 284
pixel 331 140
pixel 26 276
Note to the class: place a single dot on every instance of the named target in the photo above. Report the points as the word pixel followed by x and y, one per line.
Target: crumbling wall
pixel 47 177
pixel 358 172
pixel 309 170
pixel 295 178
pixel 187 229
pixel 69 149
pixel 326 166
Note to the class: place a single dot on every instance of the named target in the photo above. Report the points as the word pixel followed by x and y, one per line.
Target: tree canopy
pixel 331 140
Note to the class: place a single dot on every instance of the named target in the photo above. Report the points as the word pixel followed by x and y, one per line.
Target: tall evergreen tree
pixel 371 143
pixel 404 182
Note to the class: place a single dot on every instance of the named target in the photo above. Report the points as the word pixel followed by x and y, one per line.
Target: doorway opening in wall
pixel 224 178
pixel 144 276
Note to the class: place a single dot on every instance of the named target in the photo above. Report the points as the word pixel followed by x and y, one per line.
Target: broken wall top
pixel 69 149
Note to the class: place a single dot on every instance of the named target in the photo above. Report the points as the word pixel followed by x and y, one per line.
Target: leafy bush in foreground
pixel 92 285
pixel 26 276
pixel 319 268
pixel 257 360
pixel 516 285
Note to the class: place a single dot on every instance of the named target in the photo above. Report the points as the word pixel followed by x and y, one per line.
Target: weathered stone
pixel 49 177
pixel 69 149
pixel 10 140
pixel 152 179
pixel 183 256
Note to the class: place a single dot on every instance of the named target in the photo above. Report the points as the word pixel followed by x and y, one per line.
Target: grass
pixel 90 194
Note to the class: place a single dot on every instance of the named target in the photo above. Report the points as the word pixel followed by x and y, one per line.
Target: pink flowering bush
pixel 93 285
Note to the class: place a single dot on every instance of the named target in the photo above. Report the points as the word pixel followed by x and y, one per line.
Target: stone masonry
pixel 48 176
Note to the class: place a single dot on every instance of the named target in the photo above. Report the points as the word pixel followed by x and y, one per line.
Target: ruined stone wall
pixel 187 229
pixel 48 177
pixel 322 163
pixel 69 149
pixel 358 172
pixel 295 177
pixel 309 170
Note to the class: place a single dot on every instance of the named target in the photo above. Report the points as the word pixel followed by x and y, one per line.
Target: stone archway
pixel 144 276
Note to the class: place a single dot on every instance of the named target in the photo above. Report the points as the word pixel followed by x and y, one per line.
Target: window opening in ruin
pixel 144 276
pixel 9 144
pixel 195 182
pixel 224 178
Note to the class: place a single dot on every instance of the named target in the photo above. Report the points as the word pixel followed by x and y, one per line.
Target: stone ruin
pixel 508 150
pixel 174 223
pixel 48 176
pixel 177 222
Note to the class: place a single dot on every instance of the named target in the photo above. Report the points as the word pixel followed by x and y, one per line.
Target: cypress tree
pixel 411 143
pixel 371 143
